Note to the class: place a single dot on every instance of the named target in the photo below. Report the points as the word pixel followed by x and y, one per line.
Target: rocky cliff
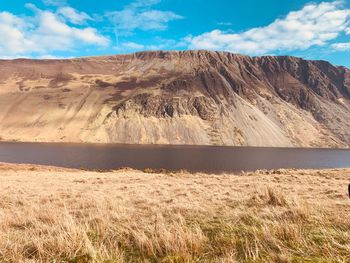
pixel 189 97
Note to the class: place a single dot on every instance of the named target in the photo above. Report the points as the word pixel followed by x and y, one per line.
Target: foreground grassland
pixel 57 215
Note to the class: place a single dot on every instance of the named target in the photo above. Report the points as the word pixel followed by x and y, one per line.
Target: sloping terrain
pixel 189 97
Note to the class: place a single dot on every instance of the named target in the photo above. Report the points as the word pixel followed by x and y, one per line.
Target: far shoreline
pixel 171 145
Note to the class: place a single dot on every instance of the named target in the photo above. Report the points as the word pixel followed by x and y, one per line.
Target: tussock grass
pixel 127 216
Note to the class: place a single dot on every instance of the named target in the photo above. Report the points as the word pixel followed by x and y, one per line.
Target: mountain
pixel 177 97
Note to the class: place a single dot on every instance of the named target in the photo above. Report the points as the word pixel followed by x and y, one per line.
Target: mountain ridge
pixel 140 54
pixel 177 97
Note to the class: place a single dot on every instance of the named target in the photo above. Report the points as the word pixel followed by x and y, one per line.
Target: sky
pixel 77 28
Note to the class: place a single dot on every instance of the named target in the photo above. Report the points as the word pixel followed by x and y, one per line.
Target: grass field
pixel 57 215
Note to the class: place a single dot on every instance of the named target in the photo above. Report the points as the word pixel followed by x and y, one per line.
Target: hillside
pixel 189 97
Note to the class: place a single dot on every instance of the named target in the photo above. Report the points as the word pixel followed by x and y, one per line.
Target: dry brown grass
pixel 56 215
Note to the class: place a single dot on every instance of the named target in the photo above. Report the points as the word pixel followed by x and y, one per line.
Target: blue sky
pixel 74 28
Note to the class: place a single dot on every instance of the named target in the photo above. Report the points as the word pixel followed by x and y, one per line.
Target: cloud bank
pixel 45 32
pixel 341 46
pixel 313 25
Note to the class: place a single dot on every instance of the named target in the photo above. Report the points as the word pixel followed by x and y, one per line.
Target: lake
pixel 191 158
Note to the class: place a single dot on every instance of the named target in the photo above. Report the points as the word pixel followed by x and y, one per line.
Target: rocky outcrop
pixel 179 97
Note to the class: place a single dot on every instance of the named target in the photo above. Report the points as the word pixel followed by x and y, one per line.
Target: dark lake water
pixel 192 158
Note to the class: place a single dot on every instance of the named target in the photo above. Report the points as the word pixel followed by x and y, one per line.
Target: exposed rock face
pixel 190 97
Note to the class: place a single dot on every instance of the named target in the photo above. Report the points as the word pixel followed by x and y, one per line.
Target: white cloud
pixel 43 33
pixel 224 24
pixel 73 15
pixel 163 43
pixel 126 47
pixel 341 46
pixel 143 3
pixel 139 15
pixel 348 31
pixel 48 56
pixel 11 29
pixel 55 2
pixel 313 25
pixel 160 44
pixel 132 46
